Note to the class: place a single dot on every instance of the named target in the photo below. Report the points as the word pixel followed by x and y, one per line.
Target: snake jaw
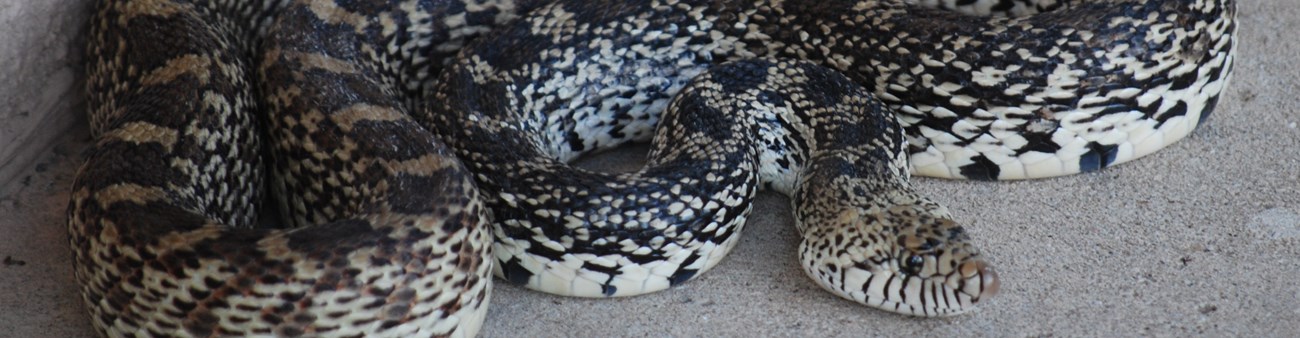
pixel 897 292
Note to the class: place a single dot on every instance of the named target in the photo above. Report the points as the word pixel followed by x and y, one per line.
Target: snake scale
pixel 361 167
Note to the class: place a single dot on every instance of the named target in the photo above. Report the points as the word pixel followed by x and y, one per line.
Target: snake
pixel 366 167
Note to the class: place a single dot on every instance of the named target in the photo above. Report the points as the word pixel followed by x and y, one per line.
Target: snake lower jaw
pixel 911 295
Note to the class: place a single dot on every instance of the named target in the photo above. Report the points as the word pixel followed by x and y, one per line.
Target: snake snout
pixel 981 280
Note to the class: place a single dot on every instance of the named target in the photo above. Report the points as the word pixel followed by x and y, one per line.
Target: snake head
pixel 938 249
pixel 909 258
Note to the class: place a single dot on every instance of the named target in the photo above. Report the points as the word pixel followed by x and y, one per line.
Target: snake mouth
pixel 931 296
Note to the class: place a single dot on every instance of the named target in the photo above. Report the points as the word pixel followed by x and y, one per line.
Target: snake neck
pixel 868 236
pixel 864 228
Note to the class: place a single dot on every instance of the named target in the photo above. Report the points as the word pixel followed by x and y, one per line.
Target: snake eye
pixel 913 264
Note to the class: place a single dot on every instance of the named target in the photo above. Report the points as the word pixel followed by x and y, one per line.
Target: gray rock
pixel 41 95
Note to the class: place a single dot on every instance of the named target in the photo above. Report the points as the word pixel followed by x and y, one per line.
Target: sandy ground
pixel 1200 239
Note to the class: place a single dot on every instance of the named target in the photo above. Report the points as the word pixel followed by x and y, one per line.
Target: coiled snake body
pixel 346 105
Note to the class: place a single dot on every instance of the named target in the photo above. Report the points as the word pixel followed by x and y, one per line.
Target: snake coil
pixel 412 147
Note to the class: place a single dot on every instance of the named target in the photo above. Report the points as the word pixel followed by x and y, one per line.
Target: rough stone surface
pixel 1198 239
pixel 40 59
